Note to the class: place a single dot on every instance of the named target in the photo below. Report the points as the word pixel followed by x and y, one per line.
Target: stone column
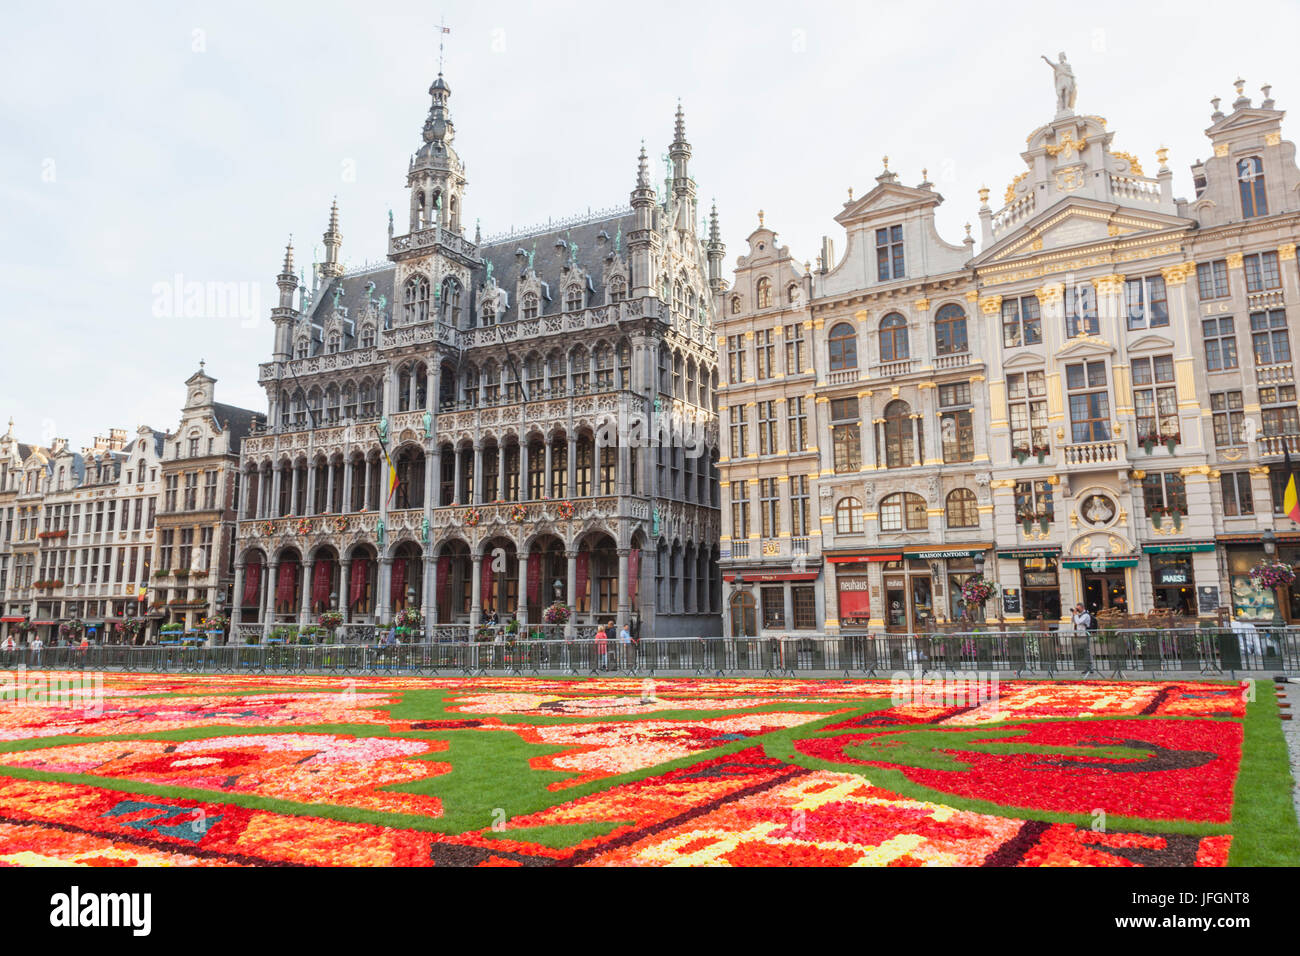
pixel 476 592
pixel 275 492
pixel 428 595
pixel 271 583
pixel 365 500
pixel 624 595
pixel 347 487
pixel 523 469
pixel 572 465
pixel 309 500
pixel 571 627
pixel 548 486
pixel 384 604
pixel 478 473
pixel 329 487
pixel 430 479
pixel 305 582
pixel 345 589
pixel 521 602
pixel 238 601
pixel 917 435
pixel 501 470
pixel 293 491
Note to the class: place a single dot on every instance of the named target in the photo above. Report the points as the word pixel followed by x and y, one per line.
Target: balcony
pixel 1099 453
pixel 740 549
pixel 890 369
pixel 960 360
pixel 1278 445
pixel 843 377
pixel 1281 374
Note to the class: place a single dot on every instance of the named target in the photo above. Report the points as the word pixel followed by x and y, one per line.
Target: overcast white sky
pixel 148 140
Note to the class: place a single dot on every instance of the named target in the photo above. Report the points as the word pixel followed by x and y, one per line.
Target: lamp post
pixel 979 573
pixel 219 603
pixel 1269 540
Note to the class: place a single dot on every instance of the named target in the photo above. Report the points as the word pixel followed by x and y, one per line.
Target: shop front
pixel 950 569
pixel 1248 602
pixel 1040 582
pixel 1173 577
pixel 853 594
pixel 1103 582
pixel 773 602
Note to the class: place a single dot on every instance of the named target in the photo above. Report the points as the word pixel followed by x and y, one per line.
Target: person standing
pixel 602 647
pixel 1082 621
pixel 37 646
pixel 625 647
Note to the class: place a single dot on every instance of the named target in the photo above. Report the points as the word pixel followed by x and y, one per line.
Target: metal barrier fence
pixel 1118 654
pixel 374 633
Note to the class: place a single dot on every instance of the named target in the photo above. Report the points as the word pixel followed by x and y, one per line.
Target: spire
pixel 716 250
pixel 679 128
pixel 714 234
pixel 642 172
pixel 438 128
pixel 287 268
pixel 286 281
pixel 333 243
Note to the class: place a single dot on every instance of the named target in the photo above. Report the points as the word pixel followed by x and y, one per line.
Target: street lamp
pixel 1269 540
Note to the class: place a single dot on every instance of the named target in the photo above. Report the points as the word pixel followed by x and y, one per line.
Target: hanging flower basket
pixel 268 528
pixel 214 622
pixel 1272 575
pixel 472 517
pixel 518 513
pixel 71 629
pixel 557 613
pixel 331 620
pixel 977 590
pixel 408 617
pixel 304 526
pixel 340 524
pixel 564 510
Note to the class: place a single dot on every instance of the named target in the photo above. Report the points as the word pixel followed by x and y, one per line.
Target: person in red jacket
pixel 602 647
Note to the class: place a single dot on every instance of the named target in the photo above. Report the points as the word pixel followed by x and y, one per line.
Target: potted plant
pixel 1171 440
pixel 557 613
pixel 408 618
pixel 1158 513
pixel 1148 442
pixel 1021 452
pixel 1042 452
pixel 331 621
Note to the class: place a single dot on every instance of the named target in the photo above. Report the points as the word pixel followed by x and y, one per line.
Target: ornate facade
pixel 483 428
pixel 1093 408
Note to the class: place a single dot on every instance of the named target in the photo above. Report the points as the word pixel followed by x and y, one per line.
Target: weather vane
pixel 443 30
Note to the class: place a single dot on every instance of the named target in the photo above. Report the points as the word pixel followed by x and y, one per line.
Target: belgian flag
pixel 1290 497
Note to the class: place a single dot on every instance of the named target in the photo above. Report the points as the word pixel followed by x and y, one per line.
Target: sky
pixel 154 149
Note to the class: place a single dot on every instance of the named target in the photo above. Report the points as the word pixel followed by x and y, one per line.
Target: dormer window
pixel 889 253
pixel 1250 179
pixel 528 305
pixel 488 314
pixel 617 289
pixel 304 347
pixel 335 343
pixel 368 337
pixel 573 298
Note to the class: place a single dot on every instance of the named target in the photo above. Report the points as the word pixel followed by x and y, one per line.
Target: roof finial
pixel 760 219
pixel 443 30
pixel 679 126
pixel 850 194
pixel 642 173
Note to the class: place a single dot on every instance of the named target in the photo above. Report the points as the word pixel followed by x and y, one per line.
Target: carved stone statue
pixel 1063 77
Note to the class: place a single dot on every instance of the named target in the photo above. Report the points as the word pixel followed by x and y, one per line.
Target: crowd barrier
pixel 1116 654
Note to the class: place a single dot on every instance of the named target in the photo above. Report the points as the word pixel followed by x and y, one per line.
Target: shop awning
pixel 45 623
pixel 1101 563
pixel 1252 537
pixel 928 553
pixel 775 576
pixel 1043 551
pixel 12 620
pixel 855 558
pixel 1182 547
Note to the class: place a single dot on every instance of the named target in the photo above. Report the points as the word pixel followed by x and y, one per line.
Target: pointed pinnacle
pixel 679 127
pixel 642 174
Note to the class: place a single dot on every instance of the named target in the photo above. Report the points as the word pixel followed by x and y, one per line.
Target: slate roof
pixel 240 420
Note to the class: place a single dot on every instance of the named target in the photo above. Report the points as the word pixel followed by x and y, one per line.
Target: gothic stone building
pixel 546 400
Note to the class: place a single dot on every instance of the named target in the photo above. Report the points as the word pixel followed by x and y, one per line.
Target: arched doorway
pixel 454 571
pixel 499 589
pixel 358 603
pixel 407 581
pixel 548 575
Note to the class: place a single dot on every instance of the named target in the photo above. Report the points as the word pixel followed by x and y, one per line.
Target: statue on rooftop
pixel 1063 77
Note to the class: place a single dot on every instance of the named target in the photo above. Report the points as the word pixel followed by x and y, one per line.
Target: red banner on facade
pixel 534 578
pixel 444 578
pixel 855 601
pixel 398 588
pixel 360 572
pixel 322 575
pixel 633 575
pixel 252 583
pixel 485 595
pixel 286 586
pixel 584 558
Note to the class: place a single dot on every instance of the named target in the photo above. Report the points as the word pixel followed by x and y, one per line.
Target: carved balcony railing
pixel 1096 453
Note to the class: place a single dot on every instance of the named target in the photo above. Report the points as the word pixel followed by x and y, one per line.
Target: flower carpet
pixel 175 770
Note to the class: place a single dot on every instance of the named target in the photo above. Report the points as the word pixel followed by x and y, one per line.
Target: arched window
pixel 450 301
pixel 893 338
pixel 950 330
pixel 488 313
pixel 303 349
pixel 900 446
pixel 331 404
pixel 792 293
pixel 579 369
pixel 1250 179
pixel 349 401
pixel 679 297
pixel 903 512
pixel 735 305
pixel 848 516
pixel 334 343
pixel 415 300
pixel 960 510
pixel 843 347
pixel 573 298
pixel 604 356
pixel 528 305
pixel 368 337
pixel 617 289
pixel 491 383
pixel 743 619
pixel 763 293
